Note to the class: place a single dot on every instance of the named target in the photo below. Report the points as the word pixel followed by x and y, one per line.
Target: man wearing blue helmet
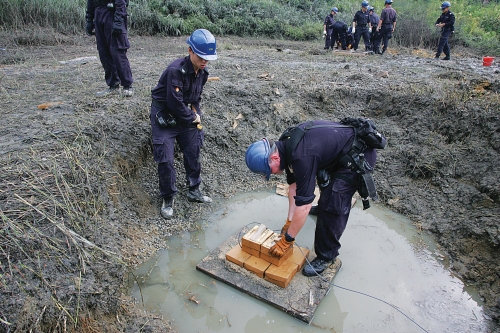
pixel 446 22
pixel 386 26
pixel 176 116
pixel 361 27
pixel 313 150
pixel 328 28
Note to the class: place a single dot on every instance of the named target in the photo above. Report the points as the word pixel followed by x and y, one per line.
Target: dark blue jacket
pixel 179 86
pixel 361 19
pixel 318 149
pixel 448 19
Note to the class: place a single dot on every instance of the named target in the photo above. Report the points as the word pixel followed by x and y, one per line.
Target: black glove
pixel 117 25
pixel 89 28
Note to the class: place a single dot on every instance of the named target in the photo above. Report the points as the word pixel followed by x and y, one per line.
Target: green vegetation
pixel 477 22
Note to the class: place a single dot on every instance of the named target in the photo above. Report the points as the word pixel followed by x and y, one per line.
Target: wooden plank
pixel 294 299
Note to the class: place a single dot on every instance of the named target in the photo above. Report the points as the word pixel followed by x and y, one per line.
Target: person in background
pixel 447 24
pixel 361 27
pixel 387 24
pixel 107 20
pixel 328 28
pixel 176 117
pixel 375 35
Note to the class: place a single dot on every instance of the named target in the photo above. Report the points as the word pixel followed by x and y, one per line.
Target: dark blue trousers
pixel 443 44
pixel 362 31
pixel 112 49
pixel 189 139
pixel 328 38
pixel 339 34
pixel 385 35
pixel 334 206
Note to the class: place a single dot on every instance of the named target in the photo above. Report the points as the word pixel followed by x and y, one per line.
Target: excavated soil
pixel 79 199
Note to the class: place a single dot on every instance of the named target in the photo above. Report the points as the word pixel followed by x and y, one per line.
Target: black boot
pixel 195 195
pixel 167 210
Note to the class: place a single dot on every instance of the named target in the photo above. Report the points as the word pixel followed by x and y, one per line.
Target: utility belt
pixel 163 117
pixel 387 23
pixel 98 3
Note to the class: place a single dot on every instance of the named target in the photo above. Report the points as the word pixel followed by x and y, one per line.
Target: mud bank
pixel 79 198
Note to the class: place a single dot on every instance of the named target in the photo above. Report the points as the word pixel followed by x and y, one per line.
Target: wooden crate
pixel 256 265
pixel 264 254
pixel 237 256
pixel 281 275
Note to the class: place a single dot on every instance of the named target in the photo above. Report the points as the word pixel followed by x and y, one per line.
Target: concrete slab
pixel 299 299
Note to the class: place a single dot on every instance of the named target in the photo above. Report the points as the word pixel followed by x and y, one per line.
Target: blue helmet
pixel 257 158
pixel 445 4
pixel 364 4
pixel 388 2
pixel 202 42
pixel 335 9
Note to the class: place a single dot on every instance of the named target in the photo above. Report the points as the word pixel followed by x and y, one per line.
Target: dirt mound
pixel 80 204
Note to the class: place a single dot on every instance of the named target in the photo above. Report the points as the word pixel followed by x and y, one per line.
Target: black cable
pixel 359 292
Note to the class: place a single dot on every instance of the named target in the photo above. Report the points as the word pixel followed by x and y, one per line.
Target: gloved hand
pixel 117 25
pixel 285 227
pixel 353 30
pixel 89 28
pixel 324 33
pixel 281 246
pixel 197 120
pixel 370 29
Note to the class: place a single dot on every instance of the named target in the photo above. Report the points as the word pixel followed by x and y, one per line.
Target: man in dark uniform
pixel 361 26
pixel 446 22
pixel 109 19
pixel 176 116
pixel 328 28
pixel 387 24
pixel 339 34
pixel 375 35
pixel 323 144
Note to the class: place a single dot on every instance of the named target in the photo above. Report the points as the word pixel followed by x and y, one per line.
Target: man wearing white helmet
pixel 176 116
pixel 446 22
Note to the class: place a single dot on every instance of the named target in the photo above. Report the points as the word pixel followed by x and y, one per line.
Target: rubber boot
pixel 167 208
pixel 194 195
pixel 112 90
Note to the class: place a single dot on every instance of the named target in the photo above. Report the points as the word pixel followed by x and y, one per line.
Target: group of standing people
pixel 377 31
pixel 366 23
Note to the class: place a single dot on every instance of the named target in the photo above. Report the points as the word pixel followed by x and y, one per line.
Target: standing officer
pixel 321 145
pixel 176 116
pixel 328 28
pixel 375 35
pixel 446 22
pixel 109 19
pixel 387 24
pixel 339 33
pixel 359 27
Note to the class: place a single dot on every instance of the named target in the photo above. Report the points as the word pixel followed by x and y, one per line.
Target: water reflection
pixel 382 256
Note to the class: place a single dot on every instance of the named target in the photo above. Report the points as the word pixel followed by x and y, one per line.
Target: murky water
pixel 382 254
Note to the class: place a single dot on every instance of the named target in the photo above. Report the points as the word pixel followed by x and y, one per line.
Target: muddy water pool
pixel 387 266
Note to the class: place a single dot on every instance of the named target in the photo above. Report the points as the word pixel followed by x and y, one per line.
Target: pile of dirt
pixel 79 198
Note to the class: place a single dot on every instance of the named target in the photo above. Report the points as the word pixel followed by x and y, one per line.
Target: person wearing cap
pixel 446 22
pixel 328 28
pixel 107 20
pixel 361 26
pixel 386 25
pixel 322 144
pixel 176 117
pixel 374 36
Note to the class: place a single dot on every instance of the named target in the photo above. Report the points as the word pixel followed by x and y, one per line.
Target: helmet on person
pixel 257 158
pixel 202 42
pixel 335 9
pixel 388 2
pixel 445 4
pixel 364 4
pixel 370 8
